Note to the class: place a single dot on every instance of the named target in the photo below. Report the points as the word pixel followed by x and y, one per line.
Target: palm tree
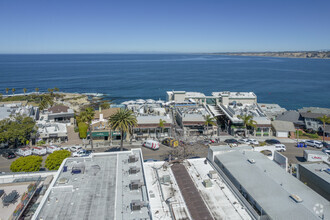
pixel 248 122
pixel 37 90
pixel 124 120
pixel 209 121
pixel 24 90
pixel 161 125
pixel 7 90
pixel 56 89
pixel 13 90
pixel 87 116
pixel 325 120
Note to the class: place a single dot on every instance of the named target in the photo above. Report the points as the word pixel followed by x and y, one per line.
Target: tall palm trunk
pixel 121 140
pixel 323 131
pixel 91 136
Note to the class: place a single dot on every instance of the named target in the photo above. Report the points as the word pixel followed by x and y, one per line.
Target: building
pixel 18 108
pixel 271 110
pixel 235 125
pixel 192 120
pixel 102 186
pixel 267 190
pixel 316 176
pixel 100 125
pixel 149 114
pixel 292 116
pixel 311 115
pixel 52 132
pixel 283 128
pixel 58 114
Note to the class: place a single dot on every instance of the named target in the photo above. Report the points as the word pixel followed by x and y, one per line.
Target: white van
pixel 39 151
pixel 26 151
pixel 52 148
pixel 154 145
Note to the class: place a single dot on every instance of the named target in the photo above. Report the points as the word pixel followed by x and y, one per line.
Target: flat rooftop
pixel 100 191
pixel 322 170
pixel 165 196
pixel 270 186
pixel 220 200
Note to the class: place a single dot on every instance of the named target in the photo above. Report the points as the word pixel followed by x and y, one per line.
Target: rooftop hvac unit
pixel 252 161
pixel 165 179
pixel 136 205
pixel 213 174
pixel 133 170
pixel 135 184
pixel 132 159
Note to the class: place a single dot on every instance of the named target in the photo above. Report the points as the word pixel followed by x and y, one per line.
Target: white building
pixel 52 132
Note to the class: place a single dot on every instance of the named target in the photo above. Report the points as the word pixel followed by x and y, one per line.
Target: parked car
pixel 25 151
pixel 52 148
pixel 65 148
pixel 327 151
pixel 244 141
pixel 272 141
pixel 75 148
pixel 325 144
pixel 280 147
pixel 253 141
pixel 154 145
pixel 9 155
pixel 314 143
pixel 81 153
pixel 39 151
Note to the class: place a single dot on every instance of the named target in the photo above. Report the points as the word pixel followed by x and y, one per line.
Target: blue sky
pixel 95 26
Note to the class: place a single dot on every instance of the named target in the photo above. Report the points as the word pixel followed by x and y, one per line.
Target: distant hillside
pixel 302 54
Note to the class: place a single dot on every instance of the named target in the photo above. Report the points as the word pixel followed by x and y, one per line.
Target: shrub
pixel 82 130
pixel 54 160
pixel 262 143
pixel 41 143
pixel 26 164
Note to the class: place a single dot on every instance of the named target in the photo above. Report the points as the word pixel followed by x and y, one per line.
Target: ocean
pixel 289 82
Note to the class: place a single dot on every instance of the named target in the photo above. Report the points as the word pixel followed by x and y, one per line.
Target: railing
pixel 25 200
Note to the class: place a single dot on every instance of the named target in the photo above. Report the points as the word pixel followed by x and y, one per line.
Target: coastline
pixel 301 55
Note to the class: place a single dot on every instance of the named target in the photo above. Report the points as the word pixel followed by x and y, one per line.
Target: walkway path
pixel 194 201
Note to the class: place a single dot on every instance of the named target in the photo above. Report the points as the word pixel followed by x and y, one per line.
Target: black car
pixel 272 141
pixel 9 155
pixel 231 141
pixel 326 145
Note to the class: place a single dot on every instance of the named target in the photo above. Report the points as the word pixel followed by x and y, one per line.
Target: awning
pixel 100 134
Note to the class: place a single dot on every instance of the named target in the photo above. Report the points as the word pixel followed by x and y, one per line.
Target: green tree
pixel 161 125
pixel 16 130
pixel 37 90
pixel 13 90
pixel 248 122
pixel 209 121
pixel 56 89
pixel 87 116
pixel 55 159
pixel 24 90
pixel 124 121
pixel 83 127
pixel 0 96
pixel 7 90
pixel 105 105
pixel 325 120
pixel 26 164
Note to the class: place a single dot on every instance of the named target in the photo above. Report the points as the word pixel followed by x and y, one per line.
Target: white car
pixel 253 141
pixel 75 148
pixel 244 141
pixel 326 151
pixel 313 143
pixel 65 148
pixel 81 153
pixel 280 147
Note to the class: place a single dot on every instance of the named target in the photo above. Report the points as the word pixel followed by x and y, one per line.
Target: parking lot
pixel 294 154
